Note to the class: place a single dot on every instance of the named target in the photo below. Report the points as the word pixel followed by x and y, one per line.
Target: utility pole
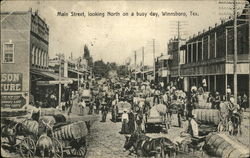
pixel 135 65
pixel 235 50
pixel 154 56
pixel 179 65
pixel 248 18
pixel 143 63
pixel 60 71
pixel 78 66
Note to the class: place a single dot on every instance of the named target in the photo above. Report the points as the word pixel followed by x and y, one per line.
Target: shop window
pixel 8 53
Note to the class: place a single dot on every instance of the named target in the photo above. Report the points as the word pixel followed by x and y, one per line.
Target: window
pixel 8 53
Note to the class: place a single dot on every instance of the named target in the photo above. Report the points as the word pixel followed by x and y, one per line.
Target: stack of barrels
pixel 30 127
pixel 207 116
pixel 71 131
pixel 221 145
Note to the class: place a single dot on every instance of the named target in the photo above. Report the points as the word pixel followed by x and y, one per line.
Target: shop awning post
pixel 60 87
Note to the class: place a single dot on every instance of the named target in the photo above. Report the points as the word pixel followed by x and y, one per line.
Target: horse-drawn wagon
pixel 156 119
pixel 43 135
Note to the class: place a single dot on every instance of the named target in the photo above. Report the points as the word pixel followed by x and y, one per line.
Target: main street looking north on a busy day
pixel 107 79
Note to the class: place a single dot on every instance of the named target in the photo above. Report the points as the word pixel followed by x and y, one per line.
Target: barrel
pixel 48 111
pixel 203 105
pixel 221 145
pixel 205 95
pixel 71 131
pixel 200 98
pixel 30 126
pixel 207 116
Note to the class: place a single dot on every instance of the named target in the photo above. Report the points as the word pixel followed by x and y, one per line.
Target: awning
pixel 44 83
pixel 53 78
pixel 75 71
pixel 165 57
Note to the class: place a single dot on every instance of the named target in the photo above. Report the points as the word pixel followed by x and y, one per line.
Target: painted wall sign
pixel 11 82
pixel 12 101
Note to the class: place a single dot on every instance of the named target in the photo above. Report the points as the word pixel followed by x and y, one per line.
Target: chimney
pixel 222 21
pixel 209 28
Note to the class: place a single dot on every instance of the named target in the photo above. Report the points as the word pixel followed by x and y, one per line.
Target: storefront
pixel 44 84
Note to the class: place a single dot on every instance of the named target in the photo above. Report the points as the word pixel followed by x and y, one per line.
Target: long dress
pixel 125 129
pixel 131 122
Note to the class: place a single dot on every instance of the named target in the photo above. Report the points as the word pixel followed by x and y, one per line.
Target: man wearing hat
pixel 104 110
pixel 192 126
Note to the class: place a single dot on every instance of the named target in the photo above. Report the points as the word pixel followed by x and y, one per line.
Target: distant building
pixel 75 69
pixel 163 68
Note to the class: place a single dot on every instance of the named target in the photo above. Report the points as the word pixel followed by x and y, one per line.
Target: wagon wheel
pixel 58 149
pixel 27 147
pixel 79 147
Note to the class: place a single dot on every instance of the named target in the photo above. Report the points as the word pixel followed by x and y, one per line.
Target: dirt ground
pixel 105 141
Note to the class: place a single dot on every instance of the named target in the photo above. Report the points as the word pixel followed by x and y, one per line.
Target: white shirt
pixel 82 104
pixel 162 84
pixel 165 98
pixel 195 128
pixel 124 116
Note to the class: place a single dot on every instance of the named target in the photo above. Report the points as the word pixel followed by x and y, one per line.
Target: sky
pixel 116 38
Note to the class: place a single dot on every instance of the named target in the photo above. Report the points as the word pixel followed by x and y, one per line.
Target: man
pixel 131 122
pixel 192 126
pixel 204 84
pixel 104 110
pixel 191 134
pixel 156 95
pixel 229 92
pixel 234 117
pixel 217 100
pixel 244 102
pixel 82 106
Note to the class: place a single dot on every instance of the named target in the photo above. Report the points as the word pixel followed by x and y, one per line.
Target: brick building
pixel 24 58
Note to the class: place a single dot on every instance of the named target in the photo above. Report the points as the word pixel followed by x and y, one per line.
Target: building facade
pixel 210 56
pixel 24 45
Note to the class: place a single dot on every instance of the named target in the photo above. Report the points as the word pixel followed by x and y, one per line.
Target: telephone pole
pixel 143 63
pixel 60 56
pixel 154 56
pixel 235 49
pixel 179 65
pixel 135 65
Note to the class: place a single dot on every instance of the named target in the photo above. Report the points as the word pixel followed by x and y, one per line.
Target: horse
pixel 147 147
pixel 234 125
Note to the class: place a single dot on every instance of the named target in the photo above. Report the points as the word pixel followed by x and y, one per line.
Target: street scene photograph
pixel 125 78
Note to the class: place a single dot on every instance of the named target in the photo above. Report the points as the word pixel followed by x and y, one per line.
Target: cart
pixel 155 124
pixel 156 121
pixel 39 138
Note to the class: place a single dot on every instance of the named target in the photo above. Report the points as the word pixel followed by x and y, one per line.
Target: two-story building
pixel 24 59
pixel 209 56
